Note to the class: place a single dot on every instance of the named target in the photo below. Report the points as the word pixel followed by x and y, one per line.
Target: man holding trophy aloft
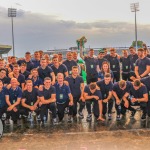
pixel 92 66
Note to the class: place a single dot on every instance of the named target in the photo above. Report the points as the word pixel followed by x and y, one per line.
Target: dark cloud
pixel 36 31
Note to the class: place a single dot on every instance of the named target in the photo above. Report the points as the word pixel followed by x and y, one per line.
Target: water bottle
pixel 130 97
pixel 44 119
pixel 31 119
pixel 119 108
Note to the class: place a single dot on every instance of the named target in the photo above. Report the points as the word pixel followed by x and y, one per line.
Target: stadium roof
pixel 4 49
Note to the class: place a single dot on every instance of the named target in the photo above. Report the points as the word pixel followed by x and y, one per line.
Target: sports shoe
pixel 7 122
pixel 69 119
pixel 38 118
pixel 133 114
pixel 109 117
pixel 143 117
pixel 66 110
pixel 55 121
pixel 118 118
pixel 81 115
pixel 89 118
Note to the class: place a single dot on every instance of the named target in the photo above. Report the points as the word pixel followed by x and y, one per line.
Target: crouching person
pixel 13 98
pixel 106 86
pixel 121 92
pixel 63 98
pixel 139 96
pixel 30 101
pixel 47 97
pixel 92 95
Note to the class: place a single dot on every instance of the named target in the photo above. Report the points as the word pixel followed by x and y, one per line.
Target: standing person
pixel 13 62
pixel 121 91
pixel 13 99
pixel 92 95
pixel 114 61
pixel 76 85
pixel 69 62
pixel 41 53
pixel 133 57
pixel 92 66
pixel 142 65
pixel 4 66
pixel 60 57
pixel 27 61
pixel 64 98
pixel 23 70
pixel 37 81
pixel 125 60
pixel 57 67
pixel 45 71
pixel 146 82
pixel 3 93
pixel 106 87
pixel 101 58
pixel 30 99
pixel 105 69
pixel 81 65
pixel 4 78
pixel 48 100
pixel 139 96
pixel 36 59
pixel 18 76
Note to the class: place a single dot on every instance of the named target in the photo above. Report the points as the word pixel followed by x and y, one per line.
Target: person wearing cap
pixel 142 65
pixel 92 66
pixel 101 58
pixel 27 61
pixel 125 61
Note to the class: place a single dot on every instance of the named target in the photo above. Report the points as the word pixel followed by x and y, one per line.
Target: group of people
pixel 42 85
